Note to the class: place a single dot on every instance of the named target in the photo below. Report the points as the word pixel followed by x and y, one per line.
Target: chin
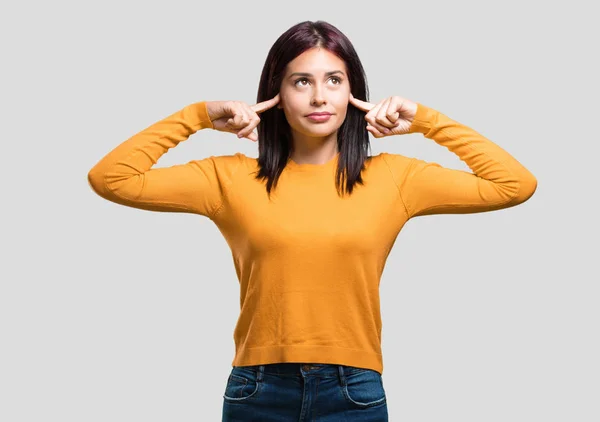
pixel 325 131
pixel 318 129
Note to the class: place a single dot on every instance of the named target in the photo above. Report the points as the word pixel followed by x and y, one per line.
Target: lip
pixel 319 117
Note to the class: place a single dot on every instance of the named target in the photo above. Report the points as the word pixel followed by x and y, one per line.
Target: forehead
pixel 316 61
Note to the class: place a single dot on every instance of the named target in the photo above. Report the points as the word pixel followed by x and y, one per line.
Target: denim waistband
pixel 293 368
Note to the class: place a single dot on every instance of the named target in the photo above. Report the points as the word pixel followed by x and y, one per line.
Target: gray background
pixel 109 313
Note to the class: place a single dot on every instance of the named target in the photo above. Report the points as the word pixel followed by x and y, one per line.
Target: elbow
pixel 96 181
pixel 520 188
pixel 527 187
pixel 113 186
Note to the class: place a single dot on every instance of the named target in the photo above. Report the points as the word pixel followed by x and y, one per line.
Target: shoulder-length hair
pixel 274 132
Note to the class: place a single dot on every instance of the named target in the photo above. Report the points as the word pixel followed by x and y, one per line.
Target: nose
pixel 318 98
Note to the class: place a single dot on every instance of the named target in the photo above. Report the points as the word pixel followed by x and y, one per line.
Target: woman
pixel 310 222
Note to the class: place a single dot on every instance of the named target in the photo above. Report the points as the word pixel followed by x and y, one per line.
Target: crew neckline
pixel 292 165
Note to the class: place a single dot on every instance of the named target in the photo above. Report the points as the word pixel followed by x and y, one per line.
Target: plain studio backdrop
pixel 109 313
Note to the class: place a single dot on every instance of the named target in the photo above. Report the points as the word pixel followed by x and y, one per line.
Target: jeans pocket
pixel 242 384
pixel 364 388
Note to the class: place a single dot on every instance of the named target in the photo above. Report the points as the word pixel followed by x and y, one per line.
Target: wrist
pixel 421 122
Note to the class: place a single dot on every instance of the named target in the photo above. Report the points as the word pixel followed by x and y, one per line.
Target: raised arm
pixel 498 179
pixel 125 175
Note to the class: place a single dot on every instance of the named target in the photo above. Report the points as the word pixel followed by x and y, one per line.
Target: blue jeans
pixel 313 392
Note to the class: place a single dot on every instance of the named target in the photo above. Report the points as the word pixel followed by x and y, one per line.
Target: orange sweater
pixel 309 262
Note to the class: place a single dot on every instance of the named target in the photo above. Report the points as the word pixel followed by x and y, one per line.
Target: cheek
pixel 342 109
pixel 286 100
pixel 342 102
pixel 293 109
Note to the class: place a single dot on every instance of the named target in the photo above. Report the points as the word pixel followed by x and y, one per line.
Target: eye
pixel 339 81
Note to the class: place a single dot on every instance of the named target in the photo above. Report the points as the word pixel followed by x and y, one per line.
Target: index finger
pixel 265 105
pixel 363 105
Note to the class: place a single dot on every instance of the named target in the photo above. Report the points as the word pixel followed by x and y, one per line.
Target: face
pixel 315 89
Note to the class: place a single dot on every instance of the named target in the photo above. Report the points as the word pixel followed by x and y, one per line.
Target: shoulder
pixel 220 166
pixel 391 160
pixel 235 165
pixel 228 161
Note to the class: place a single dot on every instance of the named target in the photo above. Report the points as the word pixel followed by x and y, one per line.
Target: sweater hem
pixel 309 354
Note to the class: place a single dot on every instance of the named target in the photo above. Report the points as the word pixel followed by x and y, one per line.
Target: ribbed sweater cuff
pixel 423 119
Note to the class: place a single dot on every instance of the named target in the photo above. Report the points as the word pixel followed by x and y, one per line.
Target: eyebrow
pixel 310 74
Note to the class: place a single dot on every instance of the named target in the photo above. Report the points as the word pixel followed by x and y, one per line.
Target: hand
pixel 237 116
pixel 392 116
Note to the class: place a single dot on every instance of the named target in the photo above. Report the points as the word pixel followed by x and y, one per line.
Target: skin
pixel 314 91
pixel 391 116
pixel 314 142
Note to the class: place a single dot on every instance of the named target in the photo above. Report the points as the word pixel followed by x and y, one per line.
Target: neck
pixel 310 150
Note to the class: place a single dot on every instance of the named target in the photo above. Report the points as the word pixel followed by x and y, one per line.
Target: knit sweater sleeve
pixel 125 175
pixel 498 180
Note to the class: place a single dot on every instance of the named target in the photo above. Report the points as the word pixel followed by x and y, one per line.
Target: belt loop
pixel 260 373
pixel 342 375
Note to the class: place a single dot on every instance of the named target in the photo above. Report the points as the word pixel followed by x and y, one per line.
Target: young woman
pixel 311 221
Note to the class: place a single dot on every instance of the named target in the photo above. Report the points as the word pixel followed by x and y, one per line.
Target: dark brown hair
pixel 274 132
